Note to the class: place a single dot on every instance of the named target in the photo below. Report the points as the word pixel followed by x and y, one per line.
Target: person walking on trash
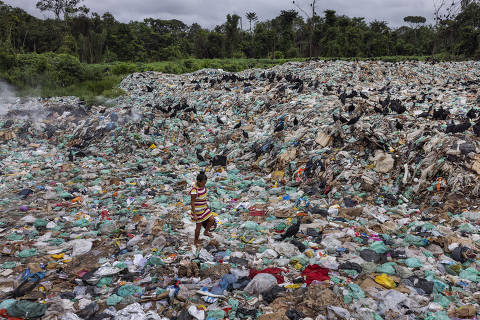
pixel 200 213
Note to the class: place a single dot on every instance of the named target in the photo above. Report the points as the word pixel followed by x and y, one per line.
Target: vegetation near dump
pixel 81 53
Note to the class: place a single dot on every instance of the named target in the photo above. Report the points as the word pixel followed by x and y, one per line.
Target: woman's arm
pixel 192 203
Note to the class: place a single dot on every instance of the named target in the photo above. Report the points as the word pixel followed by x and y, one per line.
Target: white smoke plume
pixel 7 97
pixel 13 106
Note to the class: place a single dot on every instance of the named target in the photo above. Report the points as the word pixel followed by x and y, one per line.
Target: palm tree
pixel 251 16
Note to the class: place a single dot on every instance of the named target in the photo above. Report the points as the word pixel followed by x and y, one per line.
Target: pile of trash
pixel 341 190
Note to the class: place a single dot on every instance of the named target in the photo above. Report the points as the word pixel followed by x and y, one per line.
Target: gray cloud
pixel 210 13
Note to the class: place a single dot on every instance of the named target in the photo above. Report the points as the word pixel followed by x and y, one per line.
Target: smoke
pixel 7 97
pixel 14 107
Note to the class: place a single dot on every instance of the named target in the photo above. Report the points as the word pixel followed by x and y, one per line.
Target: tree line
pixel 294 33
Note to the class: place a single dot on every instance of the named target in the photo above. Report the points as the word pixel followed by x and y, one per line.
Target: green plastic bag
pixel 350 273
pixel 25 308
pixel 40 223
pixel 281 226
pixel 66 195
pixel 6 303
pixel 441 300
pixel 467 227
pixel 81 223
pixel 415 240
pixel 156 261
pixel 357 292
pixel 347 298
pixel 129 290
pixel 216 314
pixel 14 237
pixel 104 281
pixel 8 265
pixel 120 265
pixel 387 268
pixel 470 274
pixel 303 260
pixel 251 225
pixel 368 267
pixel 55 241
pixel 428 226
pixel 413 263
pixel 377 316
pixel 439 315
pixel 233 303
pixel 113 300
pixel 379 247
pixel 27 253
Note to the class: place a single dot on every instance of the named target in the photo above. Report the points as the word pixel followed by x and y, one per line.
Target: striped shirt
pixel 202 212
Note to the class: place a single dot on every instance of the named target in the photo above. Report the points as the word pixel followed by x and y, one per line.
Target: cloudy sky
pixel 212 12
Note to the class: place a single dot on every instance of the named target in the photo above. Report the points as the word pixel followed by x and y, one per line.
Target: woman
pixel 201 214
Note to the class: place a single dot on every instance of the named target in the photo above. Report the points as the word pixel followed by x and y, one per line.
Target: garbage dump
pixel 341 190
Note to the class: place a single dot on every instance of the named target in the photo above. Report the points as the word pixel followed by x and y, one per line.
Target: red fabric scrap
pixel 4 315
pixel 315 272
pixel 276 272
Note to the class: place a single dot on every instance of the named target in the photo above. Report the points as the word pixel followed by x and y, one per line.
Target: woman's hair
pixel 201 176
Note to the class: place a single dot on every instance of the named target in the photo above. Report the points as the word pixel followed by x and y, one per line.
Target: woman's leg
pixel 198 227
pixel 208 228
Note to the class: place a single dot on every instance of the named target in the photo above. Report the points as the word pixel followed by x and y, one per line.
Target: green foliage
pixel 7 59
pixel 292 52
pixel 86 55
pixel 278 55
pixel 122 68
pixel 51 74
pixel 190 64
pixel 59 7
pixel 69 45
pixel 99 39
pixel 415 19
pixel 64 69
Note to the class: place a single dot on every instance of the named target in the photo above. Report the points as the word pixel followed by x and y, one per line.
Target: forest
pixel 63 50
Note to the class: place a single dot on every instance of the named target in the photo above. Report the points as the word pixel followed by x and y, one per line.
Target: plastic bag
pixel 113 300
pixel 80 247
pixel 385 281
pixel 387 268
pixel 379 247
pixel 413 263
pixel 287 249
pixel 260 283
pixel 129 290
pixel 470 274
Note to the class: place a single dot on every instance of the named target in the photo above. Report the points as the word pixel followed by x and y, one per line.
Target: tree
pixel 251 17
pixel 232 33
pixel 311 18
pixel 61 7
pixel 414 20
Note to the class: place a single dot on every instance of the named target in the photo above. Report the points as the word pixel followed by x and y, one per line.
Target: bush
pixel 123 68
pixel 7 59
pixel 191 65
pixel 95 71
pixel 173 68
pixel 278 55
pixel 292 52
pixel 65 69
pixel 50 70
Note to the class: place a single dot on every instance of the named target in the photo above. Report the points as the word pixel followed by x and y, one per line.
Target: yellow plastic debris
pixel 58 256
pixel 309 253
pixel 298 266
pixel 245 240
pixel 385 281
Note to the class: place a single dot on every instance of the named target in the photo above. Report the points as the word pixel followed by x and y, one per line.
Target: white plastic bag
pixel 260 283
